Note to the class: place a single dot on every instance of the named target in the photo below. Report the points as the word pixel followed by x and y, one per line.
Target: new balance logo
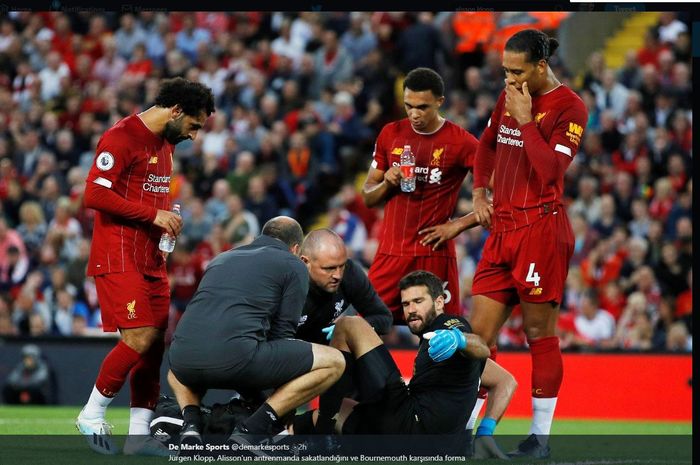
pixel 536 291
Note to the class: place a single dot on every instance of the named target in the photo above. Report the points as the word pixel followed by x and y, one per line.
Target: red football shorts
pixel 529 263
pixel 387 270
pixel 133 300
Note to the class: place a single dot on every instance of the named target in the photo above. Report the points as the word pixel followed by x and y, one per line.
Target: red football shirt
pixel 529 161
pixel 443 159
pixel 136 165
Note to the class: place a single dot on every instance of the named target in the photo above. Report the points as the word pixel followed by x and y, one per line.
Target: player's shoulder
pixel 567 94
pixel 395 127
pixel 121 132
pixel 354 272
pixel 455 130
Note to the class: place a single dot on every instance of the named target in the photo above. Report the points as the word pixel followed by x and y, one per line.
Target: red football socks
pixel 115 368
pixel 547 366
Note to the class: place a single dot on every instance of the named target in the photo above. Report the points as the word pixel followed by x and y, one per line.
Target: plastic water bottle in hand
pixel 167 242
pixel 408 170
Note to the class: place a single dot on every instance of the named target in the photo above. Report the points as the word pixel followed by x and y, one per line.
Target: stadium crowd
pixel 300 99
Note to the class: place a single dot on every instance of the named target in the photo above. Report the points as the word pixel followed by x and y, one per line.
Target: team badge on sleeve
pixel 104 161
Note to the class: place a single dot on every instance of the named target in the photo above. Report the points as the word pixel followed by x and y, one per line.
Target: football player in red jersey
pixel 532 136
pixel 444 154
pixel 129 186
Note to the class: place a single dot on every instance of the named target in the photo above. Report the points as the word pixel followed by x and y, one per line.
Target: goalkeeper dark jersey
pixel 443 391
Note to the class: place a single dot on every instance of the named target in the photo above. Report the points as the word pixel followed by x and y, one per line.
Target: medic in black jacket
pixel 336 283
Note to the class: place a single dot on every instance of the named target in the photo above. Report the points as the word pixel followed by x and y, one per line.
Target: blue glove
pixel 329 332
pixel 444 343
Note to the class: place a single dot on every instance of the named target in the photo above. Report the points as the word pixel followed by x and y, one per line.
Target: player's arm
pixel 475 346
pixel 285 321
pixel 111 162
pixel 484 163
pixel 442 233
pixel 501 386
pixel 382 178
pixel 549 158
pixel 366 300
pixel 379 185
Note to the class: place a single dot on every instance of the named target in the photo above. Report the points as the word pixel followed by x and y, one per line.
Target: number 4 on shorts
pixel 533 276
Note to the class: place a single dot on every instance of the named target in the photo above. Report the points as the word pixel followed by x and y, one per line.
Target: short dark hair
pixel 423 278
pixel 536 45
pixel 193 97
pixel 285 229
pixel 421 79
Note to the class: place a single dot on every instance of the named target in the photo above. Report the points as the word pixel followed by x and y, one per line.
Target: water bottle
pixel 167 242
pixel 408 170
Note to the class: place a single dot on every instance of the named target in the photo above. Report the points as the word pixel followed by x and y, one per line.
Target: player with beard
pixel 446 374
pixel 129 186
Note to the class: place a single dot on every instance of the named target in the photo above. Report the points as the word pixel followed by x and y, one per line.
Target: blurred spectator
pixel 420 44
pixel 348 226
pixel 670 27
pixel 587 203
pixel 649 53
pixel 287 45
pixel 359 40
pixel 608 219
pixel 30 381
pixel 663 199
pixel 185 271
pixel 610 94
pixel 129 35
pixel 332 64
pixel 678 339
pixel 139 66
pixel 595 326
pixel 584 238
pixel 628 75
pixel 51 76
pixel 634 330
pixel 259 201
pixel 65 230
pixel 602 265
pixel 77 266
pixel 672 270
pixel 110 67
pixel 612 299
pixel 215 206
pixel 32 227
pixel 197 223
pixel 63 311
pixel 9 238
pixel 26 306
pixel 14 272
pixel 240 225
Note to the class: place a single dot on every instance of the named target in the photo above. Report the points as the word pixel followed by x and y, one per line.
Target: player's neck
pixel 155 119
pixel 435 127
pixel 552 83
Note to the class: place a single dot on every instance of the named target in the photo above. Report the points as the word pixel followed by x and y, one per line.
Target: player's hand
pixel 483 209
pixel 329 332
pixel 393 176
pixel 171 222
pixel 519 104
pixel 485 447
pixel 443 343
pixel 439 234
